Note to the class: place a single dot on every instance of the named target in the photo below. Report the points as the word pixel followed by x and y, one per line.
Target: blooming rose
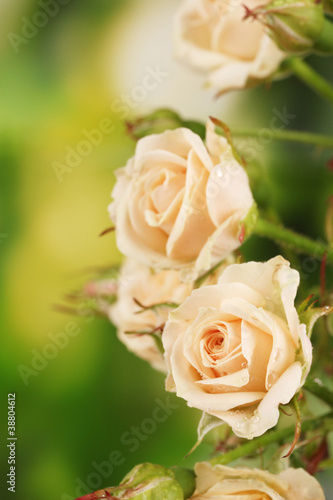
pixel 179 203
pixel 212 36
pixel 236 350
pixel 254 484
pixel 139 282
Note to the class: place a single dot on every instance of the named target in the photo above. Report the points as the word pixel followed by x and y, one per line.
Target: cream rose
pixel 254 484
pixel 236 350
pixel 179 203
pixel 212 36
pixel 148 287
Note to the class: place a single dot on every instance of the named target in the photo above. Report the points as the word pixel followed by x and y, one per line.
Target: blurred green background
pixel 57 81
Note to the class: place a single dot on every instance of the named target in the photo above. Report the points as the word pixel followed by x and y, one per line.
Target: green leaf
pixel 206 424
pixel 311 314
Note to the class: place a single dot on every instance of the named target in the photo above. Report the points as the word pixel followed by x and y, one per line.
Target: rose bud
pixel 180 203
pixel 153 123
pixel 159 121
pixel 296 26
pixel 219 481
pixel 237 350
pixel 149 482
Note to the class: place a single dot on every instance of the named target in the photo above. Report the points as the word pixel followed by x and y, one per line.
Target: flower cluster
pixel 234 346
pixel 225 332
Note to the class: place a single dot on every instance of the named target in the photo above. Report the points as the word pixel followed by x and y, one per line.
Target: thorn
pixel 138 303
pixel 242 234
pixel 286 413
pixel 157 329
pixel 305 304
pixel 248 13
pixel 220 124
pixel 108 230
pixel 298 427
pixel 296 438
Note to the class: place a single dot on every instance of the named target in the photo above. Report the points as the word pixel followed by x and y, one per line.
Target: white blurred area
pixel 141 37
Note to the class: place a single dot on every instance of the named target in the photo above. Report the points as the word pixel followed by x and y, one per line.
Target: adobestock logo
pixel 58 342
pixel 131 439
pixel 122 107
pixel 30 27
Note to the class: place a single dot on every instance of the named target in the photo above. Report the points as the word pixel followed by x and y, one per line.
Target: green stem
pixel 298 242
pixel 320 391
pixel 266 439
pixel 310 77
pixel 287 135
pixel 198 282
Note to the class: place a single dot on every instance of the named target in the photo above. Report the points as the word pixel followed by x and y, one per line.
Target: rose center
pixel 214 344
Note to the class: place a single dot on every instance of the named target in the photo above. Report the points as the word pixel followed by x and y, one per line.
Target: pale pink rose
pixel 148 287
pixel 212 36
pixel 237 350
pixel 179 203
pixel 221 482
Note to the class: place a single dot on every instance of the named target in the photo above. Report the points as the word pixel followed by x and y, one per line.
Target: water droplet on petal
pixel 188 275
pixel 276 354
pixel 271 379
pixel 219 172
pixel 244 364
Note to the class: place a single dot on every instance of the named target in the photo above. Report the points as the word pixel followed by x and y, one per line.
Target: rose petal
pixel 234 380
pixel 267 414
pixel 183 242
pixel 178 142
pixel 221 480
pixel 221 243
pixel 228 182
pixel 265 278
pixel 302 485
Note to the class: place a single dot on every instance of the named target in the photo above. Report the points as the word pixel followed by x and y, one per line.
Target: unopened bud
pixel 159 121
pixel 295 25
pixel 149 482
pixel 186 479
